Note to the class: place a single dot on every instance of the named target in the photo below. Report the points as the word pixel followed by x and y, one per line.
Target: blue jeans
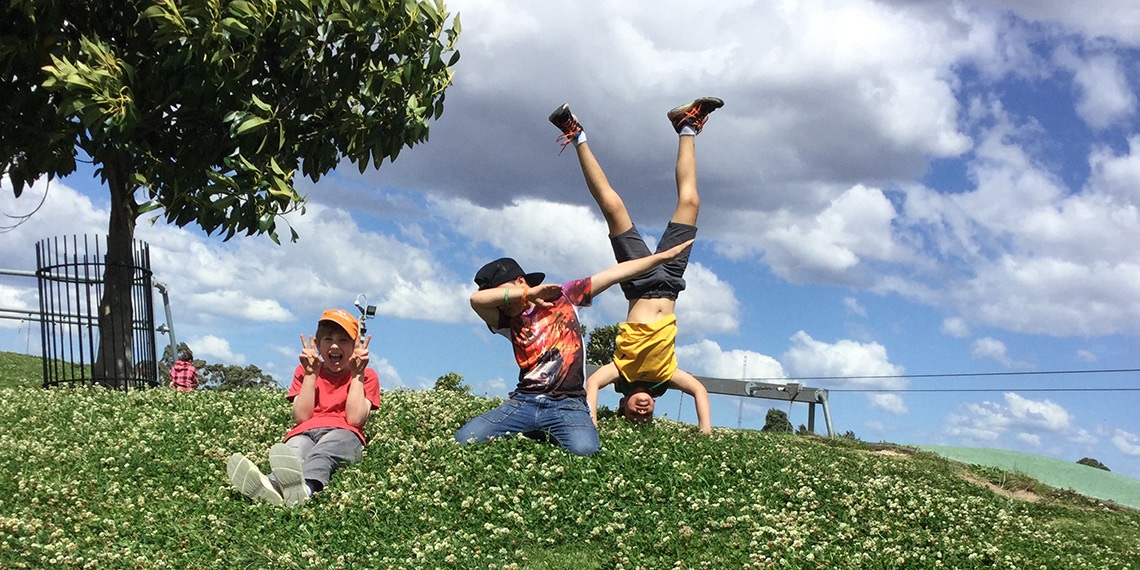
pixel 566 421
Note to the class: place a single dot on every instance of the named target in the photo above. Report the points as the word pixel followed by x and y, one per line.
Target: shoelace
pixel 567 137
pixel 698 118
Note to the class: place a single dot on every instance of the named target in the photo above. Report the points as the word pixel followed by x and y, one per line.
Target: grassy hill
pixel 100 479
pixel 20 370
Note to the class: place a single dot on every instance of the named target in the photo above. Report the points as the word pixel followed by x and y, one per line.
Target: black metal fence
pixel 77 350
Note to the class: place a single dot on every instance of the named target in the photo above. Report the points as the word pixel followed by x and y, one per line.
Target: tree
pixel 776 421
pixel 452 381
pixel 1093 463
pixel 230 377
pixel 600 344
pixel 217 376
pixel 209 109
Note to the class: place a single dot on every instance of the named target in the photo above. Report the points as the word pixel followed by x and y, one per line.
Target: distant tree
pixel 802 430
pixel 451 382
pixel 850 435
pixel 1093 463
pixel 217 376
pixel 601 343
pixel 777 421
pixel 229 377
pixel 210 111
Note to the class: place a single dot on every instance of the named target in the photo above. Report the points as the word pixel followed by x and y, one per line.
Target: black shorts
pixel 664 281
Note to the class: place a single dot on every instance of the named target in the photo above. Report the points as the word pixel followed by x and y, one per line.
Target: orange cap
pixel 345 320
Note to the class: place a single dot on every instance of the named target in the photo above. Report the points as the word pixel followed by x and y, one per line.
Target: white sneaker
pixel 287 470
pixel 249 481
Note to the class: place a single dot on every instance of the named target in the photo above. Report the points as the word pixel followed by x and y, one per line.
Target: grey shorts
pixel 664 281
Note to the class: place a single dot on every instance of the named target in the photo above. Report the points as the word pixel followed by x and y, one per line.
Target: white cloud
pixel 1128 443
pixel 1117 19
pixel 955 327
pixel 853 226
pixel 707 358
pixel 1044 414
pixel 1030 420
pixel 853 307
pixel 389 377
pixel 210 347
pixel 990 349
pixel 708 305
pixel 1030 439
pixel 855 365
pixel 1104 95
pixel 1040 258
pixel 1087 356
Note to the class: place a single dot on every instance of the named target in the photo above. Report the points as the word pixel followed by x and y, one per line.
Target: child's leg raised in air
pixel 609 201
pixel 688 120
pixel 688 201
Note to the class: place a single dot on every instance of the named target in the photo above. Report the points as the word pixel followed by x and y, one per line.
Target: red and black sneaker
pixel 567 123
pixel 693 114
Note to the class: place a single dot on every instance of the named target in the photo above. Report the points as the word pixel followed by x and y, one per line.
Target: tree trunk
pixel 114 365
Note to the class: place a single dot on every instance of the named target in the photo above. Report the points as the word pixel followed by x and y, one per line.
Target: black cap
pixel 504 270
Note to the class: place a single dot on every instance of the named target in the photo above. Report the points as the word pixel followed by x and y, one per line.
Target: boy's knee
pixel 583 448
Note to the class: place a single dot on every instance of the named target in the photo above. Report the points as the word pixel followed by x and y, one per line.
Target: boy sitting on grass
pixel 333 393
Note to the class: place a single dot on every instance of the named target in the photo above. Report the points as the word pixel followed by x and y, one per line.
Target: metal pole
pixel 169 319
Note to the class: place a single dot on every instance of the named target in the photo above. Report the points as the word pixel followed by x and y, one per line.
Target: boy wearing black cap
pixel 333 393
pixel 542 324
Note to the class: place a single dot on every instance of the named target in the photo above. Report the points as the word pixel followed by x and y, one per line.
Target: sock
pixel 687 131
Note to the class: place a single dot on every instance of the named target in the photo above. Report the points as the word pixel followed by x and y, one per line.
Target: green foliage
pixel 108 479
pixel 776 421
pixel 1093 463
pixel 230 377
pixel 453 382
pixel 601 343
pixel 217 376
pixel 208 110
pixel 213 108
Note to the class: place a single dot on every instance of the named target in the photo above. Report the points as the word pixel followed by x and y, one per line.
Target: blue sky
pixel 893 188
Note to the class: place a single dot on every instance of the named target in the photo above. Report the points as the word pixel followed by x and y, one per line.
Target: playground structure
pixel 788 392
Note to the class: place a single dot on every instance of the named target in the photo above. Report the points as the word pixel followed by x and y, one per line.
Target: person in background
pixel 183 375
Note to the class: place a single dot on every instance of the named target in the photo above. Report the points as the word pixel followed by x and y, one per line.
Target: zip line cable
pixel 986 390
pixel 961 374
pixel 967 375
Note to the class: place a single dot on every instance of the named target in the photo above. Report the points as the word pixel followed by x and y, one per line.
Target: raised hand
pixel 542 295
pixel 359 359
pixel 675 251
pixel 310 358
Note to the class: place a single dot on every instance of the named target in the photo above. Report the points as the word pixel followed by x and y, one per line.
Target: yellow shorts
pixel 645 351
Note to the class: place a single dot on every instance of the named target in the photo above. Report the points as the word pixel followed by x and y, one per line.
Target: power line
pixel 955 375
pixel 878 390
pixel 964 375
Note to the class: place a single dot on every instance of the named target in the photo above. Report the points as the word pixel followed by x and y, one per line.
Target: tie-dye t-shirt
pixel 548 344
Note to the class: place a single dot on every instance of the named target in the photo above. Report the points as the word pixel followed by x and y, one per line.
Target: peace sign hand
pixel 310 358
pixel 359 359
